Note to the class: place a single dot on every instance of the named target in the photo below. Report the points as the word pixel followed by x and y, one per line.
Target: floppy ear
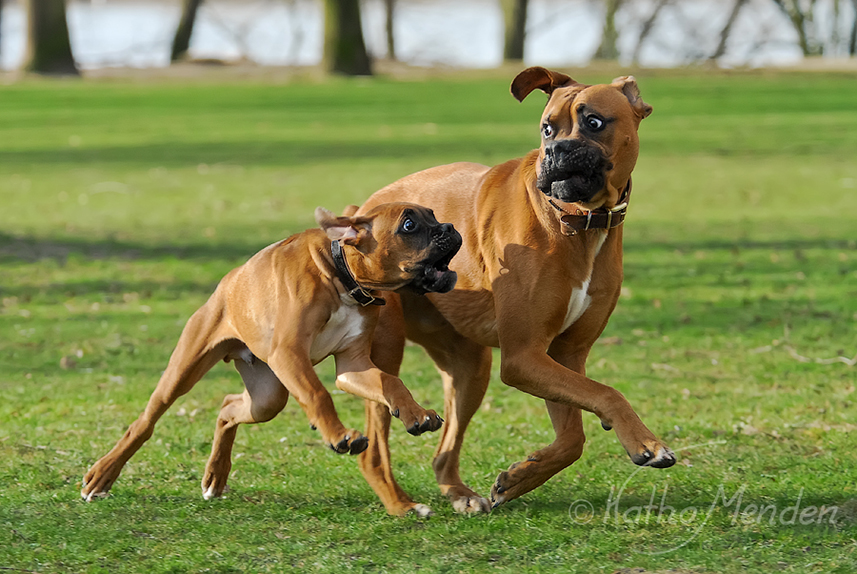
pixel 348 229
pixel 538 77
pixel 628 86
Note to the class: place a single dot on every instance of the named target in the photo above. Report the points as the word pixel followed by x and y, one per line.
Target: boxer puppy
pixel 539 274
pixel 290 306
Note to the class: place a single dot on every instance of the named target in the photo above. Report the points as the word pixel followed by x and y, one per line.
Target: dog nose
pixel 442 229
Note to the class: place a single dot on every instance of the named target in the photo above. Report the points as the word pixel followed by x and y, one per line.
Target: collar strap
pixel 601 218
pixel 354 290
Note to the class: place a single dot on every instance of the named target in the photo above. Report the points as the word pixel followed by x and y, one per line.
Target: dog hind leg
pixel 263 398
pixel 465 368
pixel 199 348
pixel 541 465
pixel 387 351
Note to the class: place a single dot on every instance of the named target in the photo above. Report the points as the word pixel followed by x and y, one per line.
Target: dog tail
pixel 350 210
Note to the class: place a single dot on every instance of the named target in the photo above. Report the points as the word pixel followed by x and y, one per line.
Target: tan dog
pixel 290 306
pixel 539 274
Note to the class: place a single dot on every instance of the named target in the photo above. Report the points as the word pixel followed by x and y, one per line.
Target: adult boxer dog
pixel 539 274
pixel 291 305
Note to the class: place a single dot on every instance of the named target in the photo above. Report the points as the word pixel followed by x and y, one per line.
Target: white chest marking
pixel 343 327
pixel 579 301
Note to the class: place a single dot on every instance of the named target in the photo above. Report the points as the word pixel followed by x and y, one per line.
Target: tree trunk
pixel 181 41
pixel 515 15
pixel 852 45
pixel 834 29
pixel 390 5
pixel 646 29
pixel 48 45
pixel 608 50
pixel 727 29
pixel 344 49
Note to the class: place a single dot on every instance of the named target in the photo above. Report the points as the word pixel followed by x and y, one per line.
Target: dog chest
pixel 580 299
pixel 578 303
pixel 344 326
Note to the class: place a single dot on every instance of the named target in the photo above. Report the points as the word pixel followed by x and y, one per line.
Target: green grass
pixel 123 203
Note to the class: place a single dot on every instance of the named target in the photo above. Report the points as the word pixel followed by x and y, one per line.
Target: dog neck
pixel 601 218
pixel 352 287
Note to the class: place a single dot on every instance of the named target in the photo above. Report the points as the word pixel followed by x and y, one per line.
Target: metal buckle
pixel 613 210
pixel 364 295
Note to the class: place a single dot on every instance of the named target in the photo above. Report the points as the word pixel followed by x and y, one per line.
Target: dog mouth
pixel 572 171
pixel 435 275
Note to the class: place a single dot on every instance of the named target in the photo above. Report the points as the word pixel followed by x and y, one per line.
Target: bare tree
pixel 344 48
pixel 181 41
pixel 48 45
pixel 802 19
pixel 515 15
pixel 607 50
pixel 647 29
pixel 390 6
pixel 727 29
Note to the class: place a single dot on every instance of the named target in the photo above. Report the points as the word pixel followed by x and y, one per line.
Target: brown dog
pixel 539 274
pixel 290 306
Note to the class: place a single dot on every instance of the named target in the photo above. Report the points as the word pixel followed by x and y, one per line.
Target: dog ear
pixel 628 86
pixel 347 229
pixel 538 77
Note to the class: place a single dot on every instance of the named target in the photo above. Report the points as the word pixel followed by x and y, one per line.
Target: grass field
pixel 123 202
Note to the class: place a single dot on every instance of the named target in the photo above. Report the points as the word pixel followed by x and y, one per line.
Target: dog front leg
pixel 532 371
pixel 357 375
pixel 291 365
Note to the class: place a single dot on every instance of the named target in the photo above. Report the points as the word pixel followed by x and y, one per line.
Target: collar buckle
pixel 617 209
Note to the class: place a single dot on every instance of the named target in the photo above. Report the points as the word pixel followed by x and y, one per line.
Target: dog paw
pixel 423 421
pixel 654 454
pixel 465 501
pixel 519 479
pixel 353 443
pixel 213 486
pixel 212 492
pixel 96 483
pixel 90 496
pixel 421 510
pixel 643 447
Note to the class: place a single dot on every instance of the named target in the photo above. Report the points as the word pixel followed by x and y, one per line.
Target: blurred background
pixel 347 36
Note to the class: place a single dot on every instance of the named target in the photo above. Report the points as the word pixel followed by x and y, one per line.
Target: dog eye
pixel 547 131
pixel 409 225
pixel 594 123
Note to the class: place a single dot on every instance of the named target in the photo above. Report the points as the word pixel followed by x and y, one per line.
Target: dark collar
pixel 601 218
pixel 354 290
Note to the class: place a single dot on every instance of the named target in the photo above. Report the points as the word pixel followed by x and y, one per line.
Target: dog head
pixel 589 136
pixel 395 246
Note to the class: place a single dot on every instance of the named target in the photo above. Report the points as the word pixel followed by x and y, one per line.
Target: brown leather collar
pixel 355 291
pixel 601 218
